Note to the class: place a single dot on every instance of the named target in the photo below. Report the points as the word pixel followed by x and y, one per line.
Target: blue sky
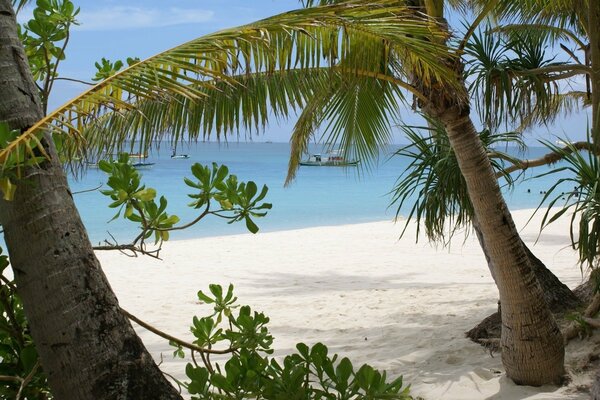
pixel 120 29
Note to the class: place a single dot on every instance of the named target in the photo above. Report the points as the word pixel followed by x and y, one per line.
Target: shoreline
pixel 358 288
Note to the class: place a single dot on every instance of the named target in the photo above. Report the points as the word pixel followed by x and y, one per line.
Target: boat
pixel 143 164
pixel 176 156
pixel 138 155
pixel 335 159
pixel 563 143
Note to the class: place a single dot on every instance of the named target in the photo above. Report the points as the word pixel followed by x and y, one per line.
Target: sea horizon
pixel 319 196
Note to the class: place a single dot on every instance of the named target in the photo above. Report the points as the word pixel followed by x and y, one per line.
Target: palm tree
pixel 346 64
pixel 87 346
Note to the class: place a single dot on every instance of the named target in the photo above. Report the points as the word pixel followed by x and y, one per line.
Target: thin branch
pixel 73 80
pixel 180 342
pixel 88 190
pixel 195 221
pixel 28 379
pixel 580 69
pixel 58 59
pixel 7 378
pixel 570 53
pixel 8 283
pixel 549 158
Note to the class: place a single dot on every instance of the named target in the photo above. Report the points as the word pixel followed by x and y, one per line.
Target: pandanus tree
pixel 348 65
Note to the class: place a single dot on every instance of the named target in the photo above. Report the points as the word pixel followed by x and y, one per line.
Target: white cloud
pixel 123 18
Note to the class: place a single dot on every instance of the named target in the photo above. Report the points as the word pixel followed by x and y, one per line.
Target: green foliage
pixel 45 38
pixel 135 201
pixel 307 374
pixel 239 200
pixel 507 91
pixel 106 68
pixel 24 155
pixel 18 357
pixel 433 183
pixel 583 202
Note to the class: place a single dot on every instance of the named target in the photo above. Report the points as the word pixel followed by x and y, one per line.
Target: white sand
pixel 397 305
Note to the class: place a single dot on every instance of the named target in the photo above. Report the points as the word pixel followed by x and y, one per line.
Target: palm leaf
pixel 352 35
pixel 432 184
pixel 583 202
pixel 514 81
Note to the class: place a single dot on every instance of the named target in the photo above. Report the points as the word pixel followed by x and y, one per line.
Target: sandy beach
pixel 396 304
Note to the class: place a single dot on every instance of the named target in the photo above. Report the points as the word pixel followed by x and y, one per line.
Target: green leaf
pixel 204 298
pixel 252 227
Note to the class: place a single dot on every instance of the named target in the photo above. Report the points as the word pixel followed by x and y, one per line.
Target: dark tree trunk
pixel 88 348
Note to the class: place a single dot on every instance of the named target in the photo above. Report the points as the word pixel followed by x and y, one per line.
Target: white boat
pixel 335 159
pixel 176 156
pixel 563 143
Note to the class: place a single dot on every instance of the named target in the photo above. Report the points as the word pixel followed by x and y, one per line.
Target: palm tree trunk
pixel 88 348
pixel 532 345
pixel 594 37
pixel 557 295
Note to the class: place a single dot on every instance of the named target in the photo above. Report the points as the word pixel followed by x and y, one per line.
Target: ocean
pixel 319 196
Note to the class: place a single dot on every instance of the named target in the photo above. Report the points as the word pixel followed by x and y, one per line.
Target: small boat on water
pixel 335 159
pixel 176 156
pixel 143 164
pixel 138 155
pixel 563 142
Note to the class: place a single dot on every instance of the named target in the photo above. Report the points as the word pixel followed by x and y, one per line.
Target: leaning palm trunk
pixel 88 348
pixel 532 345
pixel 531 342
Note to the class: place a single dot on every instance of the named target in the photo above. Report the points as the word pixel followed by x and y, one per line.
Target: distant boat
pixel 138 155
pixel 143 164
pixel 176 156
pixel 563 142
pixel 335 159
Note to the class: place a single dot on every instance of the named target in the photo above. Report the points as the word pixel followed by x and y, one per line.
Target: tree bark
pixel 557 295
pixel 88 348
pixel 532 345
pixel 594 37
pixel 531 342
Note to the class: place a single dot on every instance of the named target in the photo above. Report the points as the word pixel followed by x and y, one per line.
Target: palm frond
pixel 432 184
pixel 353 35
pixel 583 202
pixel 357 114
pixel 513 80
pixel 19 4
pixel 568 14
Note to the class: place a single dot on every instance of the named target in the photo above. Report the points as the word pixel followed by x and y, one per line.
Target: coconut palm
pixel 347 65
pixel 87 346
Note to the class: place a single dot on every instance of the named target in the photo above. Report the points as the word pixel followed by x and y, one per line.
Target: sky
pixel 134 28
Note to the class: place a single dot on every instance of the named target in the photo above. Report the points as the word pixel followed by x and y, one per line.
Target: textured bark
pixel 557 295
pixel 594 37
pixel 88 348
pixel 531 342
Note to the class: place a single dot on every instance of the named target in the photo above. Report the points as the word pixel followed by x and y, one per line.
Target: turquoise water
pixel 319 196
